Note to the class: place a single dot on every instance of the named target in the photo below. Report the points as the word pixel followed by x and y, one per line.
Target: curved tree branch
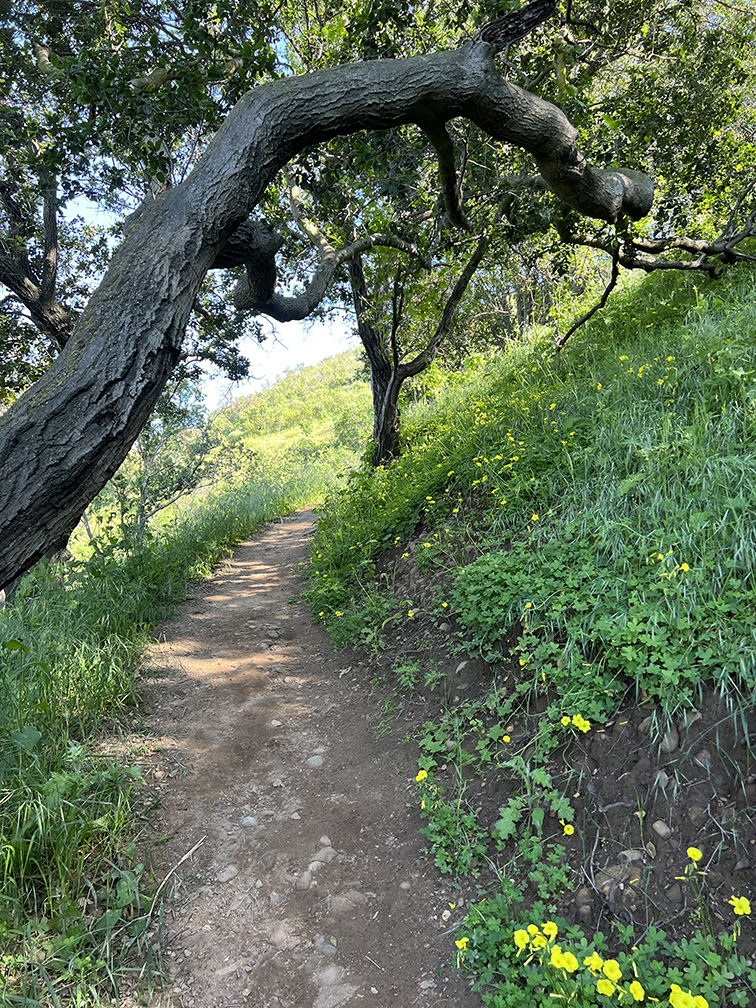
pixel 67 435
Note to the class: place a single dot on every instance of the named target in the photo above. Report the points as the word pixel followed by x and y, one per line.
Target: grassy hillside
pixel 580 527
pixel 314 410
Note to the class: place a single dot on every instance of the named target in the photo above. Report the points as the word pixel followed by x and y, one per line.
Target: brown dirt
pixel 308 887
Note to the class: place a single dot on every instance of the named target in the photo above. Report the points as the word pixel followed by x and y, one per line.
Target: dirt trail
pixel 309 889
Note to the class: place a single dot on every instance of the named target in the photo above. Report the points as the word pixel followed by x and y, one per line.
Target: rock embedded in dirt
pixel 671 741
pixel 268 860
pixel 674 894
pixel 325 854
pixel 304 881
pixel 249 821
pixel 227 873
pixel 662 830
pixel 279 935
pixel 315 762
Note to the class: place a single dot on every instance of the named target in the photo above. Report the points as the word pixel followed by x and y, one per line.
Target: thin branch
pixel 451 185
pixel 597 307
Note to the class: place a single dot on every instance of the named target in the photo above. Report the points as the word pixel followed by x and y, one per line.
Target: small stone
pixel 275 899
pixel 273 634
pixel 325 841
pixel 373 990
pixel 651 849
pixel 279 935
pixel 159 774
pixel 671 740
pixel 325 854
pixel 315 762
pixel 289 679
pixel 268 860
pixel 275 724
pixel 742 863
pixel 249 821
pixel 227 873
pixel 295 815
pixel 444 627
pixel 427 984
pixel 661 829
pixel 674 894
pixel 688 718
pixel 696 814
pixel 405 885
pixel 459 667
pixel 645 724
pixel 585 913
pixel 304 881
pixel 662 779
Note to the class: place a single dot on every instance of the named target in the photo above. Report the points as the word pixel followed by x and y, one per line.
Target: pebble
pixel 304 881
pixel 325 854
pixel 275 724
pixel 405 885
pixel 671 741
pixel 227 873
pixel 249 821
pixel 661 829
pixel 268 859
pixel 275 899
pixel 279 935
pixel 674 893
pixel 325 841
pixel 315 762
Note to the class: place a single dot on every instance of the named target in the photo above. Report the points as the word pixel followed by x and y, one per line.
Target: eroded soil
pixel 306 886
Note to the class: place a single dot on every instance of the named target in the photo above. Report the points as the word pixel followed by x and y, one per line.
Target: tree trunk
pixel 63 439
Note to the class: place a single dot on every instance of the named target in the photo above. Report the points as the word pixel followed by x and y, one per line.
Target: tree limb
pixel 65 437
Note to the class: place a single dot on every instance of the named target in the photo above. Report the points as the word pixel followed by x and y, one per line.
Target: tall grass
pixel 76 916
pixel 607 494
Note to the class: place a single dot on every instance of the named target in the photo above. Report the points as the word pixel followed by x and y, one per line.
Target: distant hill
pixel 310 409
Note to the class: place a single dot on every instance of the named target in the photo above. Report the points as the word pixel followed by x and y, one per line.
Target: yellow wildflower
pixel 605 987
pixel 563 960
pixel 565 721
pixel 461 943
pixel 637 991
pixel 694 853
pixel 611 969
pixel 550 929
pixel 521 938
pixel 568 828
pixel 740 905
pixel 684 567
pixel 422 774
pixel 594 963
pixel 534 517
pixel 532 929
pixel 538 941
pixel 580 722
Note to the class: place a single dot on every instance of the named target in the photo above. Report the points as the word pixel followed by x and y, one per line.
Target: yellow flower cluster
pixel 578 721
pixel 678 998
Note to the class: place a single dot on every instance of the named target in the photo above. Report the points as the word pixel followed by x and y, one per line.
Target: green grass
pixel 586 524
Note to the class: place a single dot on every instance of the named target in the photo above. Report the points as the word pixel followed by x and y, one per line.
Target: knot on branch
pixel 253 245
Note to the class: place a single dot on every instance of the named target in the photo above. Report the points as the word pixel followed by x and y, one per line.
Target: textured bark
pixel 62 440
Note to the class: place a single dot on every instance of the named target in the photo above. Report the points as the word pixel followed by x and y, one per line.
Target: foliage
pixel 519 959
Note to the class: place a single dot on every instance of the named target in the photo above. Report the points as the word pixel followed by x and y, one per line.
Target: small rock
pixel 315 762
pixel 585 913
pixel 289 679
pixel 304 881
pixel 373 990
pixel 651 849
pixel 671 740
pixel 427 984
pixel 227 873
pixel 674 894
pixel 645 724
pixel 696 814
pixel 268 860
pixel 279 935
pixel 742 863
pixel 459 667
pixel 662 779
pixel 661 829
pixel 295 815
pixel 405 885
pixel 325 854
pixel 630 855
pixel 688 717
pixel 273 634
pixel 275 724
pixel 583 895
pixel 324 841
pixel 444 627
pixel 275 899
pixel 248 821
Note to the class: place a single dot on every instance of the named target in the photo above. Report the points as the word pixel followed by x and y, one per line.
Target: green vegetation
pixel 582 523
pixel 78 915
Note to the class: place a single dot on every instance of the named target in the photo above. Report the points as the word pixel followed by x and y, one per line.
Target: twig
pixel 597 307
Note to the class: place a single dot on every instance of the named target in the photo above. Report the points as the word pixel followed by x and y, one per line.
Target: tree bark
pixel 63 439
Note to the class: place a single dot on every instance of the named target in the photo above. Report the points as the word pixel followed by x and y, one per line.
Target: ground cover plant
pixel 576 527
pixel 79 915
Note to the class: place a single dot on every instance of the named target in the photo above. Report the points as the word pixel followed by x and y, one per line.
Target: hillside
pixel 560 571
